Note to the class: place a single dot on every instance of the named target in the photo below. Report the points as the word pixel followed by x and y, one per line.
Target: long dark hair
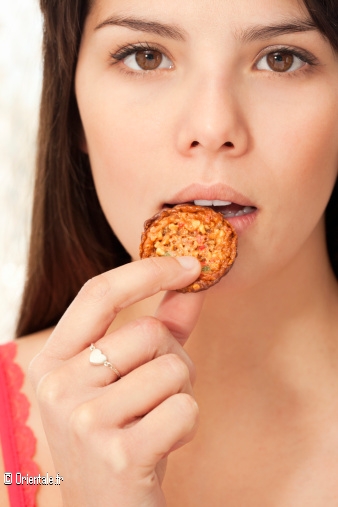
pixel 71 240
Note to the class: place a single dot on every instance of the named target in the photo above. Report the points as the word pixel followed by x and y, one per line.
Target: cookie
pixel 199 231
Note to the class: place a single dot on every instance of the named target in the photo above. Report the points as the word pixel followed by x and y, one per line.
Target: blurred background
pixel 20 83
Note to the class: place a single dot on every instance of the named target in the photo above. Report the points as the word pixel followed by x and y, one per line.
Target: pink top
pixel 17 439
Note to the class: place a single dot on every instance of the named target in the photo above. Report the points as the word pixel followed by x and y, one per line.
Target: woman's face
pixel 229 101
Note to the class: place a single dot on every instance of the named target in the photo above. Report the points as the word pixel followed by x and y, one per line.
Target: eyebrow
pixel 263 32
pixel 139 24
pixel 250 34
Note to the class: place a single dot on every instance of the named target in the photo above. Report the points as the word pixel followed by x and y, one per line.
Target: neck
pixel 279 334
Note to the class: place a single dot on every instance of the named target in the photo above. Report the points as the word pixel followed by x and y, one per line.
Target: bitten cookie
pixel 192 230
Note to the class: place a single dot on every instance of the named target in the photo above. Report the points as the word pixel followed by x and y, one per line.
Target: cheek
pixel 301 143
pixel 296 160
pixel 125 140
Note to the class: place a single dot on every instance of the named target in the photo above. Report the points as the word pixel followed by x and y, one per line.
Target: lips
pixel 220 197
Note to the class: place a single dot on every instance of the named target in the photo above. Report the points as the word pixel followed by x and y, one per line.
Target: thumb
pixel 179 312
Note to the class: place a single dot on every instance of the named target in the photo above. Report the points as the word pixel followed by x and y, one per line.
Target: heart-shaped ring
pixel 98 358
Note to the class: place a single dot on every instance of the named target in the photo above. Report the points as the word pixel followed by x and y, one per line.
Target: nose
pixel 212 119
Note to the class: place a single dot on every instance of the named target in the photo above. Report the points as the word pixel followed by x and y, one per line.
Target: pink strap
pixel 17 439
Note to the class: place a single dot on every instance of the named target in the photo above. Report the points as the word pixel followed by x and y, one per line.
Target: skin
pixel 262 354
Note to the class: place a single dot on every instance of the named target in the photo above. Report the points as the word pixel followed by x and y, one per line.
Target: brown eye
pixel 280 62
pixel 143 60
pixel 148 60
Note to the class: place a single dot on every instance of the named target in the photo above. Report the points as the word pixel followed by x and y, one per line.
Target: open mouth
pixel 227 208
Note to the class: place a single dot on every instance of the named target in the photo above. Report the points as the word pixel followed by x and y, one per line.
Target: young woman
pixel 150 105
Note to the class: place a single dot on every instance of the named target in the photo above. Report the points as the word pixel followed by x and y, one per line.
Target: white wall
pixel 20 80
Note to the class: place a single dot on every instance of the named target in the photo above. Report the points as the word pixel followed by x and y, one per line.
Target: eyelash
pixel 304 56
pixel 125 51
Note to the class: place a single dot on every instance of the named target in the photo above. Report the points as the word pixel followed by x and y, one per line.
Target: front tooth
pixel 202 202
pixel 221 203
pixel 216 202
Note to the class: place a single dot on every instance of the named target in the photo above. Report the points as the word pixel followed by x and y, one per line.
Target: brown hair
pixel 71 240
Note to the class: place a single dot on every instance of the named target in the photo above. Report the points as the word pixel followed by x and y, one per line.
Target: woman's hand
pixel 109 438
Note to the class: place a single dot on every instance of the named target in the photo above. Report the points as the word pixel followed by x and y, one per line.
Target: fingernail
pixel 187 262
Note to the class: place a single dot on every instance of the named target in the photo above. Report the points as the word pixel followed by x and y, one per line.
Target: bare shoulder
pixel 29 346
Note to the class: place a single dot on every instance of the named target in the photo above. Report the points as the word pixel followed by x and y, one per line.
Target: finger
pixel 131 346
pixel 142 390
pixel 168 426
pixel 95 307
pixel 137 343
pixel 179 312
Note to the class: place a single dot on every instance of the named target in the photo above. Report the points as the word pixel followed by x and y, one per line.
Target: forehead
pixel 214 13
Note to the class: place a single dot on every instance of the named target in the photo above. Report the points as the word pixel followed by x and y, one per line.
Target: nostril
pixel 228 144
